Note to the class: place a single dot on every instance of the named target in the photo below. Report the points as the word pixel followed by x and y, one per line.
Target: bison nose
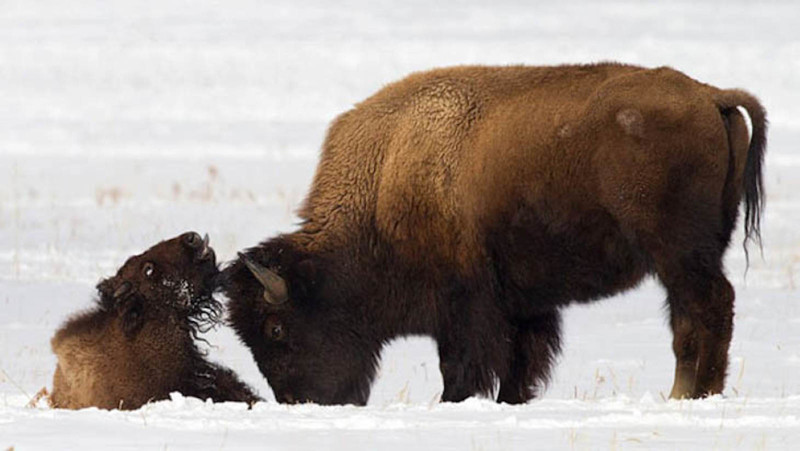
pixel 288 398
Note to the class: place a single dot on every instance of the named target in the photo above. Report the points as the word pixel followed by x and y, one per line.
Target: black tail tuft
pixel 753 174
pixel 753 171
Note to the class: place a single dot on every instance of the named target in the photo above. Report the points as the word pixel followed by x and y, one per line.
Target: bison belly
pixel 543 264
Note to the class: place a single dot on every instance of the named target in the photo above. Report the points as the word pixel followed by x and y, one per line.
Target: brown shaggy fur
pixel 472 203
pixel 138 344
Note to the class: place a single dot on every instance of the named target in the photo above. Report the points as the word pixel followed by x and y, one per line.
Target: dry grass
pixel 8 378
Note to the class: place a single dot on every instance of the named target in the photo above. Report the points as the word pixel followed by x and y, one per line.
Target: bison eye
pixel 148 269
pixel 277 332
pixel 274 329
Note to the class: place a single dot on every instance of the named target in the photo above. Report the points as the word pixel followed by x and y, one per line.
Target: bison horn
pixel 275 291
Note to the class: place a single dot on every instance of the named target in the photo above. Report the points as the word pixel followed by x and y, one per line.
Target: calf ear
pixel 109 288
pixel 131 315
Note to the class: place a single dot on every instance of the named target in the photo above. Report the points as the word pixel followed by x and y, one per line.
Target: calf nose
pixel 192 240
pixel 205 252
pixel 200 246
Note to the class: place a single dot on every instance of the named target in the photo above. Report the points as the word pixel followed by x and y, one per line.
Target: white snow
pixel 126 122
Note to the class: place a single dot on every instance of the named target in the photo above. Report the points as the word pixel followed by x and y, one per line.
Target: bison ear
pixel 307 277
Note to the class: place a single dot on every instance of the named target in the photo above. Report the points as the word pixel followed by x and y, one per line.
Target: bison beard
pixel 471 204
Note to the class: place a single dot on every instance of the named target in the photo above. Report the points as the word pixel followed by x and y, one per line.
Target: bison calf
pixel 471 204
pixel 138 343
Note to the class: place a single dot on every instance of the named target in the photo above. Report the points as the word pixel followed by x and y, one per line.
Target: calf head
pixel 138 343
pixel 170 283
pixel 311 345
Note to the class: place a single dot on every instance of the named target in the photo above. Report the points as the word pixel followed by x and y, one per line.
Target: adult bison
pixel 139 343
pixel 471 203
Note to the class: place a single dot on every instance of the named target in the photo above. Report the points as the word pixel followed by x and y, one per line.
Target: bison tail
pixel 753 172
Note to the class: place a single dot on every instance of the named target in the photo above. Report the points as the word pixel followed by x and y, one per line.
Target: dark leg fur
pixel 220 384
pixel 473 345
pixel 228 387
pixel 684 345
pixel 715 337
pixel 462 374
pixel 701 308
pixel 536 345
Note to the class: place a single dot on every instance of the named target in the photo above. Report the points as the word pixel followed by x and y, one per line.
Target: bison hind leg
pixel 702 324
pixel 700 301
pixel 536 345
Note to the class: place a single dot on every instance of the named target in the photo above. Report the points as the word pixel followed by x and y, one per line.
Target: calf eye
pixel 148 269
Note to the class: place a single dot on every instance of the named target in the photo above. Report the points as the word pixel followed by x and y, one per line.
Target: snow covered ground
pixel 125 122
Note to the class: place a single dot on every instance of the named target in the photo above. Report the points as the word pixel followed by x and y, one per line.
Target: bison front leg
pixel 537 343
pixel 462 374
